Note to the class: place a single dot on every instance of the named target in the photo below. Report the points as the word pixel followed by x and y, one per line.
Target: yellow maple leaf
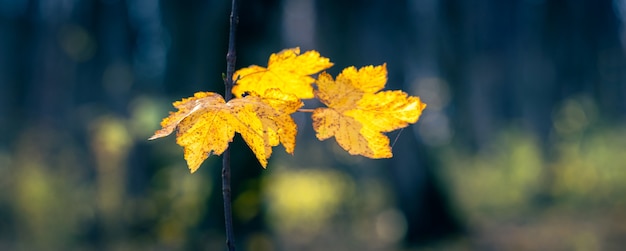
pixel 287 70
pixel 207 124
pixel 359 113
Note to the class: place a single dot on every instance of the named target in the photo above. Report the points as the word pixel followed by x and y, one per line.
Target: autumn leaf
pixel 287 70
pixel 207 124
pixel 358 112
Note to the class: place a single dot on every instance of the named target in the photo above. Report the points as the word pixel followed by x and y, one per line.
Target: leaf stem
pixel 306 110
pixel 231 57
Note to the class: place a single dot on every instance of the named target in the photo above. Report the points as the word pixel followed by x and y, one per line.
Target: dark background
pixel 520 147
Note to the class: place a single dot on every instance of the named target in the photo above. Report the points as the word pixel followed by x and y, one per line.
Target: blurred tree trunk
pixel 374 32
pixel 516 63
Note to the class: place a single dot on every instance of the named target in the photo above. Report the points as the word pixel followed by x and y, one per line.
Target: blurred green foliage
pixel 517 183
pixel 517 191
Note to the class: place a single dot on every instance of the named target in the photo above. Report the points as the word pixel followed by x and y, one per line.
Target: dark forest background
pixel 520 147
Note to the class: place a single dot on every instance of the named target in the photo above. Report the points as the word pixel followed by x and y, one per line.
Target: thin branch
pixel 228 215
pixel 306 110
pixel 231 57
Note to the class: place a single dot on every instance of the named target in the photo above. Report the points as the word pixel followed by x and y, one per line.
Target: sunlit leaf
pixel 287 70
pixel 358 113
pixel 206 124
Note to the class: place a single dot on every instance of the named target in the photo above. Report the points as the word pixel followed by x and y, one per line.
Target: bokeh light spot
pixel 304 200
pixel 77 43
pixel 391 225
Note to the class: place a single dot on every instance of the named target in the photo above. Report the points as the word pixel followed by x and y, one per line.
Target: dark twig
pixel 231 57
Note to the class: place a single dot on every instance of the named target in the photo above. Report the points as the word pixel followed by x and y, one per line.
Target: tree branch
pixel 231 57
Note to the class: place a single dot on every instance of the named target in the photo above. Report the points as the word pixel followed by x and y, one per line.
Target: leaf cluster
pixel 357 110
